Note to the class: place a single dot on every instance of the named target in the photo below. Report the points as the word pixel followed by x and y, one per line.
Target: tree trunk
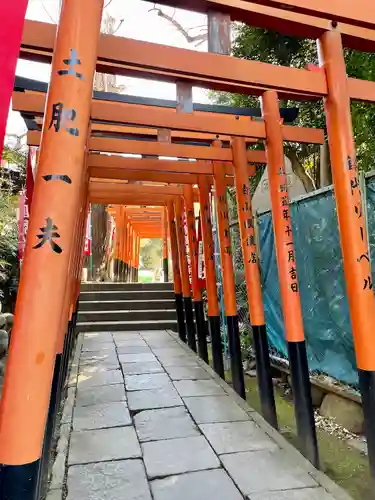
pixel 300 172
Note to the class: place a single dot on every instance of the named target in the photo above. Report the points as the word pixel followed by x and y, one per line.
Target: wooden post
pixel 184 270
pixel 252 276
pixel 229 287
pixel 287 268
pixel 353 233
pixel 177 284
pixel 197 294
pixel 210 275
pixel 56 201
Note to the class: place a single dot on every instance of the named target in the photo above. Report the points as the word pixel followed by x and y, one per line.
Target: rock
pixel 317 396
pixel 2 368
pixel 2 320
pixel 3 342
pixel 9 320
pixel 346 413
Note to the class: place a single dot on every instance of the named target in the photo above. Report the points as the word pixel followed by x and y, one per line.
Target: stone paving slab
pixel 163 397
pixel 232 437
pixel 187 388
pixel 103 445
pixel 166 423
pixel 101 416
pixel 165 426
pixel 203 485
pixel 142 367
pixel 301 494
pixel 175 456
pixel 105 377
pixel 146 381
pixel 208 409
pixel 270 471
pixel 187 373
pixel 125 479
pixel 137 357
pixel 101 394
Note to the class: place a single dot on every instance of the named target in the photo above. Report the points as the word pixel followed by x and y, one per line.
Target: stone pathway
pixel 146 419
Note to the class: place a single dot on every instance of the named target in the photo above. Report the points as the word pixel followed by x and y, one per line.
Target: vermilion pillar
pixel 56 200
pixel 177 284
pixel 229 287
pixel 197 294
pixel 289 287
pixel 184 270
pixel 252 276
pixel 355 251
pixel 165 243
pixel 210 276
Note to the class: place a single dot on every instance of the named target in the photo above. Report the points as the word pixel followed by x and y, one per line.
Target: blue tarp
pixel 321 279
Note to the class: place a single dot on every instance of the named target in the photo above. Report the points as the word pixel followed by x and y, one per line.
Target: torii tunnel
pixel 182 153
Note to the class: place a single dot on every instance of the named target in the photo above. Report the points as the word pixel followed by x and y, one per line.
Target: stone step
pixel 137 295
pixel 140 315
pixel 119 286
pixel 126 305
pixel 123 326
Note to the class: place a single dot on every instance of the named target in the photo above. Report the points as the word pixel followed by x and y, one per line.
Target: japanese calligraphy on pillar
pixel 223 213
pixel 207 219
pixel 62 121
pixel 287 228
pixel 249 226
pixel 363 253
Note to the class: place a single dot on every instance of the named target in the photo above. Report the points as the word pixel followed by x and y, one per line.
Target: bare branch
pixel 189 38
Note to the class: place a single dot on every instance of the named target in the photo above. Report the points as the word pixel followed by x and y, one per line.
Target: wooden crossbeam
pixel 154 116
pixel 123 56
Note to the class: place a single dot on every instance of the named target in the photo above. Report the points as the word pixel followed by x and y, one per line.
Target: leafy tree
pixel 271 47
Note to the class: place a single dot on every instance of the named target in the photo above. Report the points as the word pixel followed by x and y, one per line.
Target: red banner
pixel 30 174
pixel 87 250
pixel 12 15
pixel 200 263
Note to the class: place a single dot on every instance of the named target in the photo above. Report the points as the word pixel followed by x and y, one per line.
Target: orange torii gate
pixel 63 188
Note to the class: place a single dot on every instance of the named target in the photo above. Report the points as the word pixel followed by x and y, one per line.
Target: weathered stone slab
pixel 55 494
pixel 101 394
pixel 175 456
pixel 270 471
pixel 99 356
pixel 178 361
pixel 163 397
pixel 187 388
pixel 102 445
pixel 94 345
pixel 68 406
pixel 100 416
pixel 209 409
pixel 97 337
pixel 153 425
pixel 203 485
pixel 146 381
pixel 142 367
pixel 232 437
pixel 302 494
pixel 187 373
pixel 166 352
pixel 130 342
pixel 90 369
pixel 137 357
pixel 106 377
pixel 132 349
pixel 125 479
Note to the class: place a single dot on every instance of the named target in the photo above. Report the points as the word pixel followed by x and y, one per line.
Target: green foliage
pixel 270 47
pixel 151 253
pixel 13 171
pixel 8 249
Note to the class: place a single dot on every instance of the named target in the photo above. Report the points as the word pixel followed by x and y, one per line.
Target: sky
pixel 138 23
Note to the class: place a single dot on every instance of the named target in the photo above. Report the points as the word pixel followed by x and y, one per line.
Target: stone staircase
pixel 126 306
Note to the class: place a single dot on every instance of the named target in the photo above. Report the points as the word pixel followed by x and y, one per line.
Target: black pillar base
pixel 265 386
pixel 367 388
pixel 126 272
pixel 165 270
pixel 201 330
pixel 235 356
pixel 189 321
pixel 216 345
pixel 115 269
pixel 302 401
pixel 180 316
pixel 19 482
